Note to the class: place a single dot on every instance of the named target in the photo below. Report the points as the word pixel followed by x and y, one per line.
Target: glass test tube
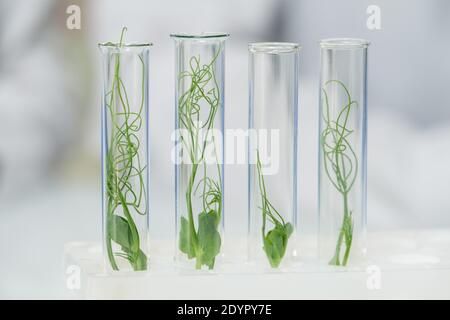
pixel 125 156
pixel 199 121
pixel 273 104
pixel 342 151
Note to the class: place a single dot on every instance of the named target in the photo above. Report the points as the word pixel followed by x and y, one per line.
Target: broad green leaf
pixel 119 231
pixel 186 243
pixel 208 237
pixel 275 243
pixel 134 234
pixel 274 246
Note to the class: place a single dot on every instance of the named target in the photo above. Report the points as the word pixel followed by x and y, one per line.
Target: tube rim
pixel 344 43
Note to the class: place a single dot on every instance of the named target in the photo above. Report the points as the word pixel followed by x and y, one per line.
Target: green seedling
pixel 125 172
pixel 341 165
pixel 275 241
pixel 203 242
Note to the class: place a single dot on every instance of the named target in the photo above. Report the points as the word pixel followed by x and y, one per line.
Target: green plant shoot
pixel 199 236
pixel 341 165
pixel 125 197
pixel 275 241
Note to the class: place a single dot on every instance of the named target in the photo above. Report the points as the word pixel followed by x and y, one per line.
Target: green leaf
pixel 186 244
pixel 275 243
pixel 208 237
pixel 289 229
pixel 119 231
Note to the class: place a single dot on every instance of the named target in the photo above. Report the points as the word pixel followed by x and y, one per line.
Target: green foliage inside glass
pixel 124 167
pixel 275 241
pixel 340 163
pixel 203 94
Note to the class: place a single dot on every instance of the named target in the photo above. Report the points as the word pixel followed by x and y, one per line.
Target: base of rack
pixel 404 264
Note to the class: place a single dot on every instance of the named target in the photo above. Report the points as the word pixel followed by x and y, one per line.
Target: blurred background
pixel 50 89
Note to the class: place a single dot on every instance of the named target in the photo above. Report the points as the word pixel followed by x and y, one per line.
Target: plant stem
pixel 341 166
pixel 109 249
pixel 189 207
pixel 336 257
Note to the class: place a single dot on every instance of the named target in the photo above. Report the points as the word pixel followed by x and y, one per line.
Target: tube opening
pixel 344 43
pixel 201 35
pixel 273 47
pixel 125 45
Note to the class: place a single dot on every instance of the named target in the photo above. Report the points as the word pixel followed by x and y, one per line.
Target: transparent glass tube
pixel 342 151
pixel 125 156
pixel 199 120
pixel 273 81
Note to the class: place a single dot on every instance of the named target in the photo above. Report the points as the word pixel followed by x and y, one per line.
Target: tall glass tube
pixel 125 155
pixel 199 121
pixel 273 81
pixel 342 151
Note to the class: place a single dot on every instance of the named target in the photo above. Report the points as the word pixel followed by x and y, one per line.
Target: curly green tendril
pixel 341 164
